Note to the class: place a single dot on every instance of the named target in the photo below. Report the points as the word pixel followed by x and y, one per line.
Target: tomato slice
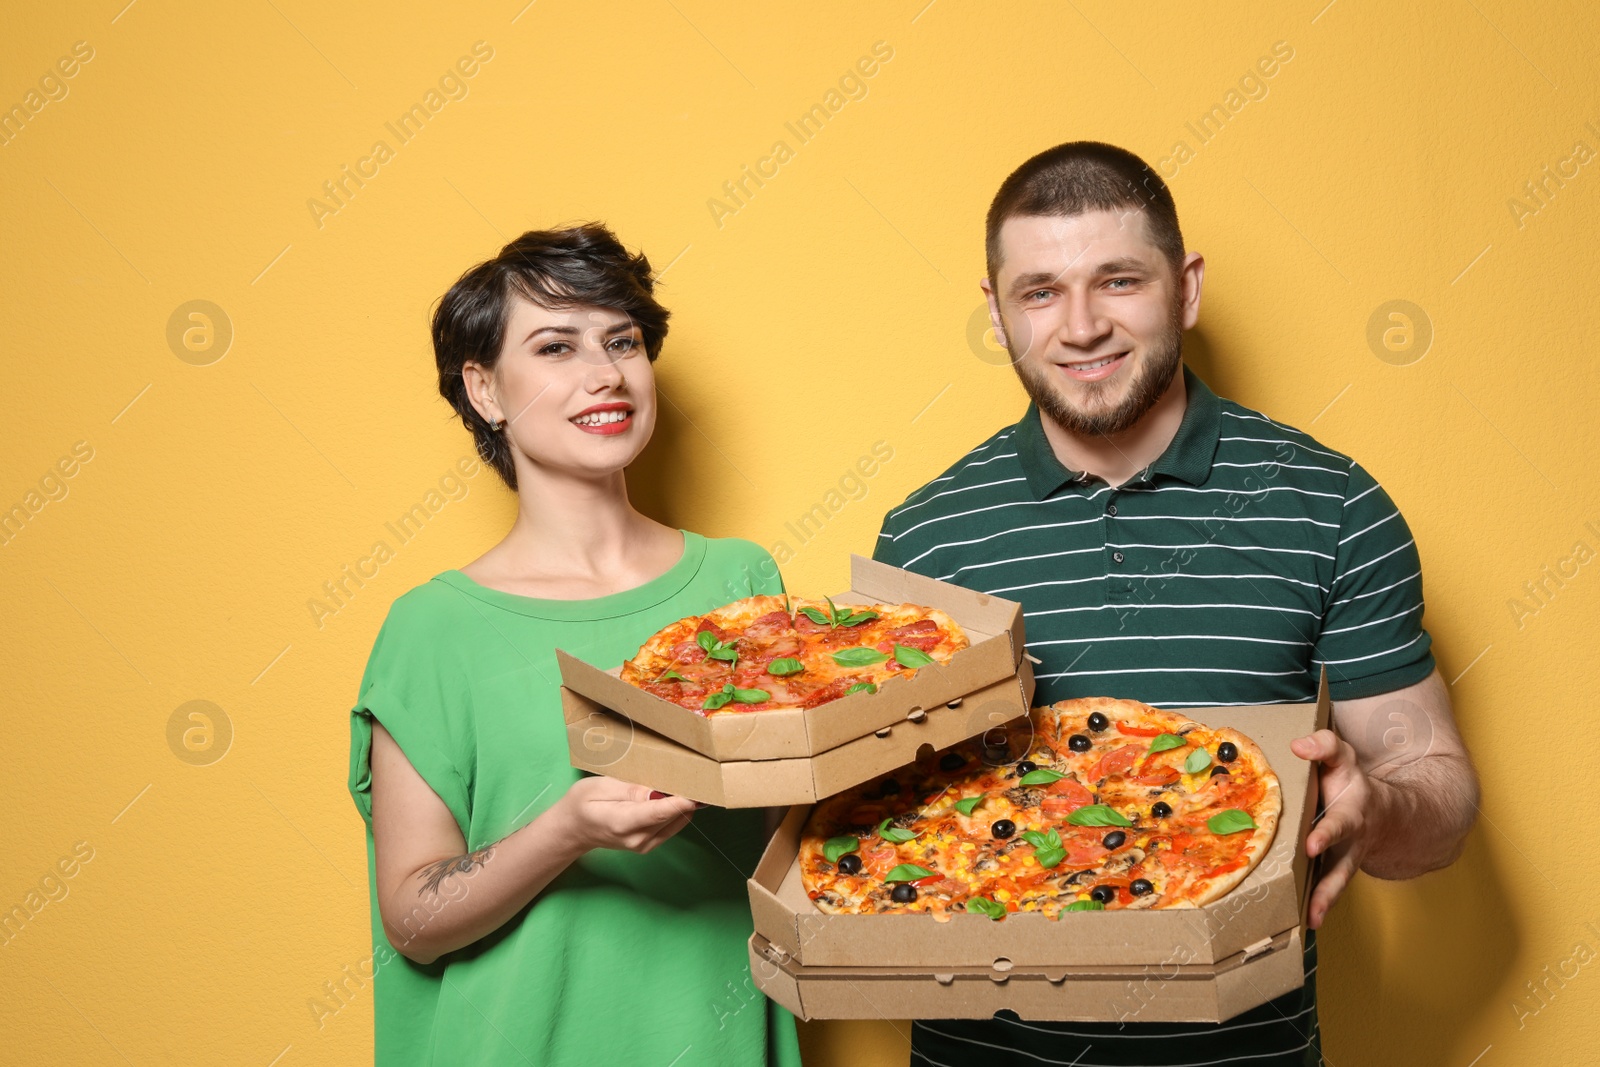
pixel 1139 731
pixel 1117 761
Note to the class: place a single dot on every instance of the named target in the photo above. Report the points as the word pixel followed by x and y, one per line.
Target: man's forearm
pixel 1423 812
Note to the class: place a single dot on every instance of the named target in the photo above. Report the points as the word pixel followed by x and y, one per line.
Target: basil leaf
pixel 722 651
pixel 705 639
pixel 716 700
pixel 817 616
pixel 672 676
pixel 751 696
pixel 856 618
pixel 838 846
pixel 894 833
pixel 785 665
pixel 907 872
pixel 833 610
pixel 1198 761
pixel 911 657
pixel 1098 815
pixel 1230 821
pixel 870 687
pixel 1043 842
pixel 1085 905
pixel 984 906
pixel 1040 776
pixel 966 805
pixel 1049 857
pixel 858 657
pixel 1166 741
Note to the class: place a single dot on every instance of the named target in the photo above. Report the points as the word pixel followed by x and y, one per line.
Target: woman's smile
pixel 613 418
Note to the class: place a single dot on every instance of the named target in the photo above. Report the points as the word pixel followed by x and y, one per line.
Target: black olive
pixel 850 863
pixel 1218 770
pixel 1079 743
pixel 1140 886
pixel 1098 722
pixel 889 788
pixel 1114 839
pixel 1227 752
pixel 904 893
pixel 1026 766
pixel 1103 893
pixel 1160 809
pixel 1003 828
pixel 953 761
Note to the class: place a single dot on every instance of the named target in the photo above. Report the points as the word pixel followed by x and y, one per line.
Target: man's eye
pixel 1039 293
pixel 1114 281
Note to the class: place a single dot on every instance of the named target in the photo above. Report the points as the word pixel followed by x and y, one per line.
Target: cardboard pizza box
pixel 606 743
pixel 993 627
pixel 1202 964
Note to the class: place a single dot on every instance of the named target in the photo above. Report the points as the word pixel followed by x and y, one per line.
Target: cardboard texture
pixel 606 743
pixel 1209 963
pixel 994 630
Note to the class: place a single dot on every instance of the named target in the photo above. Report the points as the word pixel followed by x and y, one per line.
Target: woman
pixel 524 912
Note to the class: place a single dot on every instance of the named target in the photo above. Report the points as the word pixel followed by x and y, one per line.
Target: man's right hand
pixel 602 812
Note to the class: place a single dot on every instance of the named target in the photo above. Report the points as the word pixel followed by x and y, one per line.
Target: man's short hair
pixel 1081 176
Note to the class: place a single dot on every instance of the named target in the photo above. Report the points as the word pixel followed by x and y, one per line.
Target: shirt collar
pixel 1188 457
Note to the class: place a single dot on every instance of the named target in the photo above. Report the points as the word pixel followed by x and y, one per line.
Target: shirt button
pixel 1117 556
pixel 1111 509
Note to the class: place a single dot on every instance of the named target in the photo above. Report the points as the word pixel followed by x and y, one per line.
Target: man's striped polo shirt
pixel 1228 571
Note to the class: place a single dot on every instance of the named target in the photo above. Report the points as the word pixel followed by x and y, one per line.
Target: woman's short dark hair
pixel 581 266
pixel 1081 176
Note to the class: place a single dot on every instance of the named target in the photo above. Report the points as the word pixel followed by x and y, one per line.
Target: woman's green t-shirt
pixel 623 958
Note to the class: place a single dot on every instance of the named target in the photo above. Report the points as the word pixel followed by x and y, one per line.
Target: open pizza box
pixel 994 653
pixel 1204 964
pixel 606 743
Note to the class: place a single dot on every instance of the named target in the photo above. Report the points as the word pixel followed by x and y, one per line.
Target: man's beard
pixel 1097 420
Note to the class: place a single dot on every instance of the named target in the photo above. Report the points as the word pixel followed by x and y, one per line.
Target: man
pixel 1176 548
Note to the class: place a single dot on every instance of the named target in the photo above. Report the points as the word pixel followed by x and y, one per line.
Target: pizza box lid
pixel 606 743
pixel 993 626
pixel 1172 992
pixel 1270 900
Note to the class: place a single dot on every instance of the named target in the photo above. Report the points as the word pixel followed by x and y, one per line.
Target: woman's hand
pixel 601 812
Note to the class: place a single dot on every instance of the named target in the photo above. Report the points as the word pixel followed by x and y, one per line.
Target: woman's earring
pixel 496 424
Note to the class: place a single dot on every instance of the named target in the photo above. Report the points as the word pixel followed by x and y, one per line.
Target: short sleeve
pixel 408 686
pixel 1372 639
pixel 748 570
pixel 884 550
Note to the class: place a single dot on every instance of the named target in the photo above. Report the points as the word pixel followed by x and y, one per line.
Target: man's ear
pixel 480 390
pixel 994 313
pixel 1190 275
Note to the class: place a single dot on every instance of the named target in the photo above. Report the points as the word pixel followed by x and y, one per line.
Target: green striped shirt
pixel 1228 571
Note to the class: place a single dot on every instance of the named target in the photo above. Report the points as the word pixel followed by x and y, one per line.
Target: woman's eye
pixel 626 343
pixel 556 348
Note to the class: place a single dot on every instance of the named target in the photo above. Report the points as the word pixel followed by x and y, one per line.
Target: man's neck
pixel 1117 457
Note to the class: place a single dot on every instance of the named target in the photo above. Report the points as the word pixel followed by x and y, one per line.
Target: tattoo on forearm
pixel 434 874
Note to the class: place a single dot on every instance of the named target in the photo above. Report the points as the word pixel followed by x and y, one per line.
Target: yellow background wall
pixel 832 309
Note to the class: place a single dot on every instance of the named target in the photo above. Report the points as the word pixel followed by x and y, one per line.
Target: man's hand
pixel 1348 816
pixel 1398 797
